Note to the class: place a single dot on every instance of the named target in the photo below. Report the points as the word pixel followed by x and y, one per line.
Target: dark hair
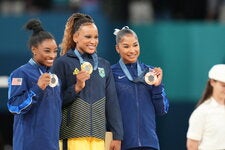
pixel 74 22
pixel 120 33
pixel 39 34
pixel 80 19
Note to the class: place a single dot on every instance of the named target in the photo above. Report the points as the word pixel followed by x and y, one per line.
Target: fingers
pixel 159 73
pixel 82 76
pixel 44 80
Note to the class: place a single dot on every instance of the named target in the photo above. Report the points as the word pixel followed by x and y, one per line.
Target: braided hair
pixel 74 22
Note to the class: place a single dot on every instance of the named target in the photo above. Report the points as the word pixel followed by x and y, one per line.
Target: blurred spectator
pixel 38 5
pixel 12 7
pixel 212 9
pixel 74 4
pixel 19 7
pixel 141 11
pixel 222 12
pixel 188 9
pixel 216 10
pixel 117 10
pixel 161 9
pixel 90 6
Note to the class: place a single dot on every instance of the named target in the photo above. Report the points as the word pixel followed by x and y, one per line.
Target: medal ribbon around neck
pixel 54 79
pixel 33 63
pixel 126 71
pixel 94 57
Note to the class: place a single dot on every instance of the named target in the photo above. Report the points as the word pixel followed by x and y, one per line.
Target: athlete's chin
pixel 48 64
pixel 91 51
pixel 132 60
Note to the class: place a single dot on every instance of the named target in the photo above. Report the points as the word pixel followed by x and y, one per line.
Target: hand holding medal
pixel 82 75
pixel 47 79
pixel 154 76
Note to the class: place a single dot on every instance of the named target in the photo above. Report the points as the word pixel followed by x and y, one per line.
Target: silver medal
pixel 53 80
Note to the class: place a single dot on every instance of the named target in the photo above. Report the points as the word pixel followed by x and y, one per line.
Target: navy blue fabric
pixel 100 85
pixel 37 112
pixel 139 104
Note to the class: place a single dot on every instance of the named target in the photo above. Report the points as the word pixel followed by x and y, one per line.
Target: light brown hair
pixel 73 24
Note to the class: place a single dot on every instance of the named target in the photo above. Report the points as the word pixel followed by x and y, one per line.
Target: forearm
pixel 192 144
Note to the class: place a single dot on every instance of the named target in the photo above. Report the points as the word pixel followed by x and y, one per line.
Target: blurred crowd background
pixel 184 37
pixel 132 10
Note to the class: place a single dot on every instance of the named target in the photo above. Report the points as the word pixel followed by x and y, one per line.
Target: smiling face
pixel 128 48
pixel 45 52
pixel 86 38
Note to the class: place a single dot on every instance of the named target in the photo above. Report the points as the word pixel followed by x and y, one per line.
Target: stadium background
pixel 185 48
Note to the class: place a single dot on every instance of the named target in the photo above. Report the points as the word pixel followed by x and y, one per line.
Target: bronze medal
pixel 150 78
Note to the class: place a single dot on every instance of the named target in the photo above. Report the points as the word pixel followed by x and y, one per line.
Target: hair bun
pixel 35 25
pixel 125 27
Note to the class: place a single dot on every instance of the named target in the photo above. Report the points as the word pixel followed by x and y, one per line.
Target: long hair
pixel 206 94
pixel 73 24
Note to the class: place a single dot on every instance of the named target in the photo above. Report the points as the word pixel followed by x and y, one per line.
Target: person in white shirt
pixel 206 129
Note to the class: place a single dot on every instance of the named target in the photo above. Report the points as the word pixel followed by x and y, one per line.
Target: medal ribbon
pixel 94 57
pixel 127 73
pixel 33 63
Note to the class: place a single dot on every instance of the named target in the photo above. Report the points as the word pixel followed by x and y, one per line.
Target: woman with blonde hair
pixel 90 104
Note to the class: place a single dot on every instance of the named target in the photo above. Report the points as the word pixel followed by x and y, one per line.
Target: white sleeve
pixel 196 124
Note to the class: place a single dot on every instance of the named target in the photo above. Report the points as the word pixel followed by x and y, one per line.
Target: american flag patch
pixel 17 81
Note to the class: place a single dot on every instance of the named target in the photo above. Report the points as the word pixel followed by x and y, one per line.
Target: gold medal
pixel 86 66
pixel 53 80
pixel 150 78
